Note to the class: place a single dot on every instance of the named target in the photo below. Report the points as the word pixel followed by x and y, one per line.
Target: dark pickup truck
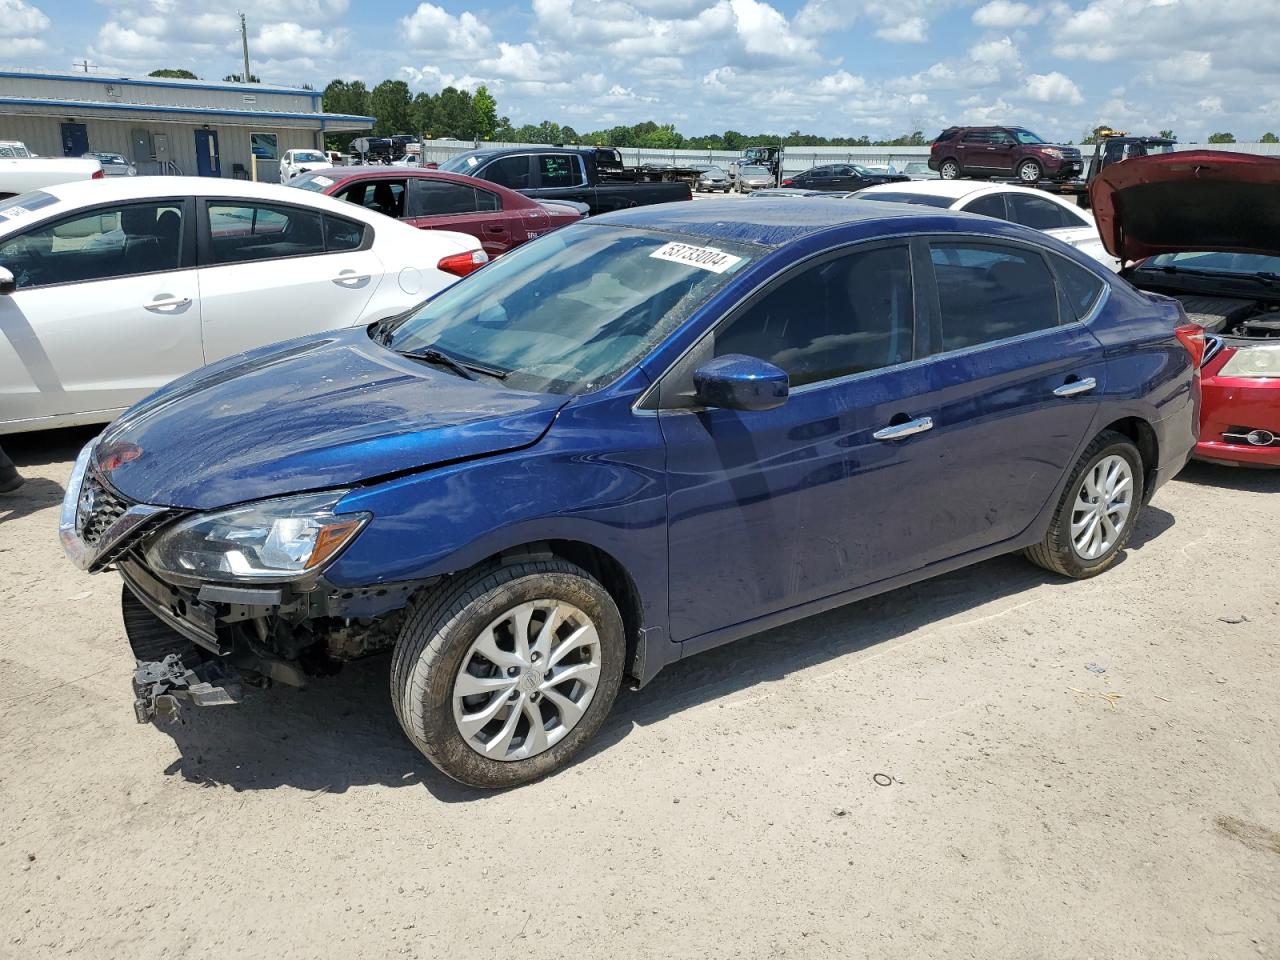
pixel 547 173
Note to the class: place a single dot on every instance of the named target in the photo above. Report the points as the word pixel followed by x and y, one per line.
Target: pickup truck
pixel 21 171
pixel 552 173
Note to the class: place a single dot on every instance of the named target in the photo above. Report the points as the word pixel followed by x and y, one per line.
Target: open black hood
pixel 1189 201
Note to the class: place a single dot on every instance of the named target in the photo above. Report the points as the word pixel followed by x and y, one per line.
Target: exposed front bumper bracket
pixel 161 686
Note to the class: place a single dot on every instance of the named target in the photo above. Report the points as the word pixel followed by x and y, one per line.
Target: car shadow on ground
pixel 1245 479
pixel 341 732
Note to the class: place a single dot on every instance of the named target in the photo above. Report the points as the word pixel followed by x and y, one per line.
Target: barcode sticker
pixel 706 258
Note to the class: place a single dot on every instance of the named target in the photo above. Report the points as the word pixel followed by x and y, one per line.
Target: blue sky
pixel 837 67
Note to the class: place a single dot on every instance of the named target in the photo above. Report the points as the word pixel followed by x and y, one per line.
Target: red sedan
pixel 1202 226
pixel 499 218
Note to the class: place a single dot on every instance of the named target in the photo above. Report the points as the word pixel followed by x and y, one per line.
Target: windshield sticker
pixel 323 181
pixel 707 258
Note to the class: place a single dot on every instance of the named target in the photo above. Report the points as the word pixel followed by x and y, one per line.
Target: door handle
pixel 169 303
pixel 346 277
pixel 899 430
pixel 494 229
pixel 1075 386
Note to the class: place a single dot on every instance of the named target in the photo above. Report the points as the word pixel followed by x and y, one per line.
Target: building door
pixel 75 140
pixel 207 161
pixel 140 140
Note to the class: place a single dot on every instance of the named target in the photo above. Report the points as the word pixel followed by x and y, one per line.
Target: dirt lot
pixel 1077 770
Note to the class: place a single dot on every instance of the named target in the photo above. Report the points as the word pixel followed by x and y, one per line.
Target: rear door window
pixel 559 170
pixel 1040 214
pixel 242 232
pixel 440 198
pixel 990 205
pixel 989 292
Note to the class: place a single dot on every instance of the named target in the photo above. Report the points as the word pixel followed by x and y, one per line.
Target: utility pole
pixel 244 42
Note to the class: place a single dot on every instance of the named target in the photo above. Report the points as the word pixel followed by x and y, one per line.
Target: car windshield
pixel 572 311
pixel 713 172
pixel 1250 263
pixel 919 166
pixel 13 150
pixel 309 156
pixel 1026 136
pixel 755 172
pixel 866 171
pixel 109 158
pixel 461 163
pixel 902 196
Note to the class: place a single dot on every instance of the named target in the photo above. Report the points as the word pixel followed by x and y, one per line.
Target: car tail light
pixel 787 182
pixel 1192 337
pixel 98 175
pixel 460 264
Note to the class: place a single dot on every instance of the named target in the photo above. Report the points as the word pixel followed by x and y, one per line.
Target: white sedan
pixel 1033 208
pixel 295 162
pixel 110 289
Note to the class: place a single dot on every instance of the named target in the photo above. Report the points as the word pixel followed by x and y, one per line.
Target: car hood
pixel 1194 200
pixel 309 414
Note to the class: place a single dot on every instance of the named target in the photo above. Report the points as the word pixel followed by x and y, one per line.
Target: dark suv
pixel 1001 152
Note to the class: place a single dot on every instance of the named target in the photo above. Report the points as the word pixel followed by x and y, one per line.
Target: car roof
pixel 779 222
pixel 960 189
pixel 82 193
pixel 511 198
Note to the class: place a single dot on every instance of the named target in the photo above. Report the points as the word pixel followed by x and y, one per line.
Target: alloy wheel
pixel 527 680
pixel 1029 172
pixel 1102 507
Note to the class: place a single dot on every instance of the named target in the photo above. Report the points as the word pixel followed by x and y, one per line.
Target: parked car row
pixel 608 449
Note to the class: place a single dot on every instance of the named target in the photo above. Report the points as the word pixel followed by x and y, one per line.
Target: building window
pixel 263 146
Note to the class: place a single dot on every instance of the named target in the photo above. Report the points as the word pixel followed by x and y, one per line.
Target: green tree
pixel 569 135
pixel 1222 138
pixel 1167 134
pixel 389 103
pixel 455 116
pixel 239 78
pixel 422 115
pixel 503 132
pixel 485 113
pixel 733 140
pixel 173 74
pixel 1269 138
pixel 351 99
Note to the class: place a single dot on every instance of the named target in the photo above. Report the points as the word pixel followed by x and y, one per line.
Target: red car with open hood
pixel 1203 227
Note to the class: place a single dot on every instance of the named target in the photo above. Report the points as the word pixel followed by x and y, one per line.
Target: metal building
pixel 192 127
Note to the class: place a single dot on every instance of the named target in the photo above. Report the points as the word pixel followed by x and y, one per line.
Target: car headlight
pixel 269 540
pixel 1252 362
pixel 1052 152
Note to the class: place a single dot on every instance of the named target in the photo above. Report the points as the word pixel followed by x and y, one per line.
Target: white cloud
pixel 1002 51
pixel 287 40
pixel 432 29
pixel 910 30
pixel 764 32
pixel 20 19
pixel 1053 88
pixel 1007 15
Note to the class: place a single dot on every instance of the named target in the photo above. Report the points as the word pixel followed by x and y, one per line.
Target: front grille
pixel 98 509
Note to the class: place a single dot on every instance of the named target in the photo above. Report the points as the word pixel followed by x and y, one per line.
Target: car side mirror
pixel 737 382
pixel 8 283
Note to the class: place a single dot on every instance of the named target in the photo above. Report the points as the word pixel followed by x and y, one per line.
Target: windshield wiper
pixel 462 368
pixel 1264 277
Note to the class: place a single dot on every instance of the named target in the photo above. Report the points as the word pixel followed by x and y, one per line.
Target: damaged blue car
pixel 626 442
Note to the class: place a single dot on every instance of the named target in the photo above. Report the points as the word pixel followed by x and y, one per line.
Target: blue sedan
pixel 629 441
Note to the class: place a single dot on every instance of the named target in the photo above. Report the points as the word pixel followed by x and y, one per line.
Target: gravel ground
pixel 1074 770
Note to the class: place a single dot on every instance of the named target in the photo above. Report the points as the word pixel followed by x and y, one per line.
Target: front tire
pixel 506 672
pixel 1030 171
pixel 1098 510
pixel 949 170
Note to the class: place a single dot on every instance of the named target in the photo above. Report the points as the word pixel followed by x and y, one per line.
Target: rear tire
pixel 1087 507
pixel 949 170
pixel 464 637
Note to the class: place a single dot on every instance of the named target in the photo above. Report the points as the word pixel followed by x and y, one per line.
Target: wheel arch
pixel 1144 437
pixel 605 567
